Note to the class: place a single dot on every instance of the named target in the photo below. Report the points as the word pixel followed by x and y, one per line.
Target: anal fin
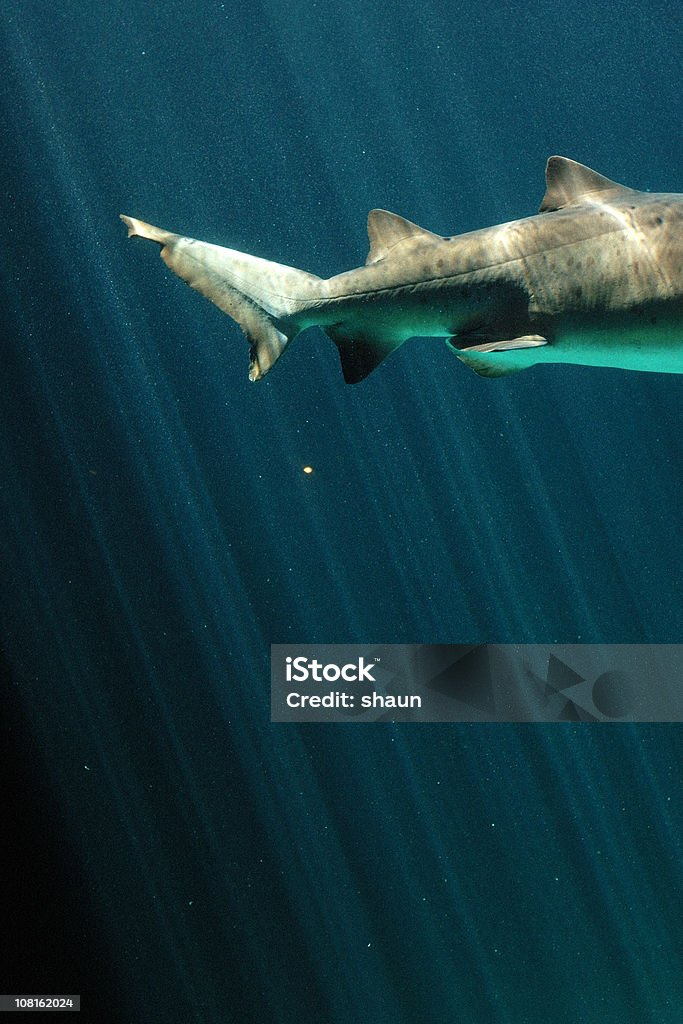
pixel 360 353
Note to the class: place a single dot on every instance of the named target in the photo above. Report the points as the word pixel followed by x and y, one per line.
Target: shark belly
pixel 656 348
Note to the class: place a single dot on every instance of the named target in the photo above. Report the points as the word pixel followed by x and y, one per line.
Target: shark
pixel 595 278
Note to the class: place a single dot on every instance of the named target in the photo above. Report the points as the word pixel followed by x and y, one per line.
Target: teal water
pixel 177 856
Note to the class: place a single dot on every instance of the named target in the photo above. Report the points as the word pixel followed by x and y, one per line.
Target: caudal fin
pixel 264 298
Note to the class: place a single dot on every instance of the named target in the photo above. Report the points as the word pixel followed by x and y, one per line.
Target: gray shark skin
pixel 596 278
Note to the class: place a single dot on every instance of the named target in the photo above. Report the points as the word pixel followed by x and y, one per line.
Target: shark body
pixel 595 278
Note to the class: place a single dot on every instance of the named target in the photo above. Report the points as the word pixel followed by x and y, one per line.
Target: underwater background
pixel 175 856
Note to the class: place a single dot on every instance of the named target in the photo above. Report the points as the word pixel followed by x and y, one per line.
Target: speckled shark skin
pixel 595 278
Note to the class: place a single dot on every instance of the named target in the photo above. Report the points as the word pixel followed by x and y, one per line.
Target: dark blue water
pixel 177 857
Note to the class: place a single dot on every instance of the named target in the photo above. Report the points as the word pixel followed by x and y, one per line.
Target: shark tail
pixel 264 298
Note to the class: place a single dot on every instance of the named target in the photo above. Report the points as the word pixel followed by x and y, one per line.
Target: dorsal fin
pixel 385 230
pixel 568 182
